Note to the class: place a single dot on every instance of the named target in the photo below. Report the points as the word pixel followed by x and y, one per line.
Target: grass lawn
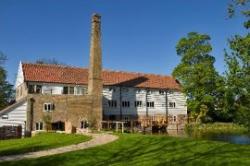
pixel 41 141
pixel 135 149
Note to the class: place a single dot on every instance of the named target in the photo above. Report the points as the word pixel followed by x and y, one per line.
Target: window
pixel 174 118
pixel 149 91
pixel 31 88
pixel 138 91
pixel 112 103
pixel 79 90
pixel 161 92
pixel 5 116
pixel 48 107
pixel 150 104
pixel 47 90
pixel 138 103
pixel 125 104
pixel 71 90
pixel 170 92
pixel 171 104
pixel 38 88
pixel 39 126
pixel 65 90
pixel 126 119
pixel 84 124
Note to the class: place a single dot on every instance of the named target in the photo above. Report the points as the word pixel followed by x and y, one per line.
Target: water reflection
pixel 236 139
pixel 231 138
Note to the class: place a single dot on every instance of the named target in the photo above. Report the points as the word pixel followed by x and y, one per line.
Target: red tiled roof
pixel 75 75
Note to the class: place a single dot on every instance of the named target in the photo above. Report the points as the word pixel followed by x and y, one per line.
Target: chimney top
pixel 96 17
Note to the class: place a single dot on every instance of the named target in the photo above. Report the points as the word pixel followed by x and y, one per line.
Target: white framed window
pixel 5 116
pixel 151 104
pixel 79 90
pixel 171 104
pixel 39 125
pixel 47 90
pixel 138 103
pixel 149 92
pixel 48 107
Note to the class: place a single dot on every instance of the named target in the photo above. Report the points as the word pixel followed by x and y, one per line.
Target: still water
pixel 243 139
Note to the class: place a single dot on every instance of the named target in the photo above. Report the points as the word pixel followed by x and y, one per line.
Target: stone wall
pixel 68 109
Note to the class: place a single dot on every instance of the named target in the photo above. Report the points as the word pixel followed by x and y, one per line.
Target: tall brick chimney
pixel 95 72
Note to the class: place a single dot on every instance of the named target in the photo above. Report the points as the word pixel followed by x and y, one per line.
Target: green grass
pixel 135 149
pixel 41 141
pixel 216 128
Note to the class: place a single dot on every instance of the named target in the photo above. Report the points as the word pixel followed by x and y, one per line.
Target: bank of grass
pixel 41 141
pixel 150 150
pixel 216 128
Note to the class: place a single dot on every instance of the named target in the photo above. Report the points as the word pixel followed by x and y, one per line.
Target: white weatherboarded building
pixel 126 95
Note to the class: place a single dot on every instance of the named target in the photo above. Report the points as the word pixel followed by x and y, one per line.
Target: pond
pixel 231 138
pixel 243 139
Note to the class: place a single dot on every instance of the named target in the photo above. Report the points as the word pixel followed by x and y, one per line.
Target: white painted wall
pixel 20 77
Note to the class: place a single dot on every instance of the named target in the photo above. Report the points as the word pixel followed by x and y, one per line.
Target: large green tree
pixel 197 74
pixel 238 68
pixel 6 91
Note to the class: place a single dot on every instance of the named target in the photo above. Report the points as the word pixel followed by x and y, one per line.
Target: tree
pixel 197 74
pixel 243 7
pixel 238 68
pixel 6 91
pixel 49 61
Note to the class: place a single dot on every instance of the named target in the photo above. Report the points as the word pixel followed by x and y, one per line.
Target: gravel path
pixel 97 139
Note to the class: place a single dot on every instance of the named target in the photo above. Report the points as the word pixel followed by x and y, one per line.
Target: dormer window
pixel 149 92
pixel 161 92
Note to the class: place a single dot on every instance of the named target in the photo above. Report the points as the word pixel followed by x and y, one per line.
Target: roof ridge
pixel 53 65
pixel 104 70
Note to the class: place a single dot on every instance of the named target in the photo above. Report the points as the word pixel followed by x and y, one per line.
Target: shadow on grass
pixel 149 150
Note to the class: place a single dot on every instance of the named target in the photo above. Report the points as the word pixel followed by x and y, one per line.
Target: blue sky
pixel 137 35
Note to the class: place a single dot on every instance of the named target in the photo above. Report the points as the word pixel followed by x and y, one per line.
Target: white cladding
pixel 161 101
pixel 16 116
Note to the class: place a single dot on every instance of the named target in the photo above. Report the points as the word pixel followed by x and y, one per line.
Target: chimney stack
pixel 95 85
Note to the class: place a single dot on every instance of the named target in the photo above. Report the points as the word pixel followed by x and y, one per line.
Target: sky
pixel 137 35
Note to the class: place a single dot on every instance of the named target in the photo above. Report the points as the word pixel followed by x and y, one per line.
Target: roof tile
pixel 76 75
